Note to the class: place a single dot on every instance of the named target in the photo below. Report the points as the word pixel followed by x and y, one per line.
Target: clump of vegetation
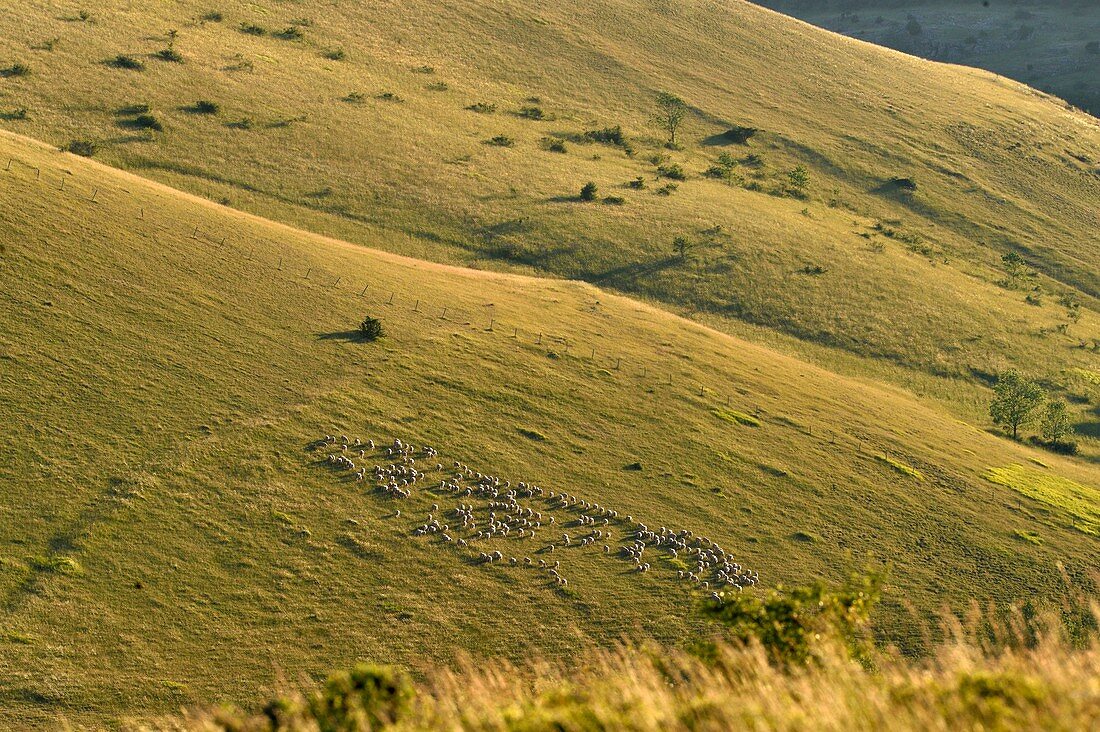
pixel 123 61
pixel 672 171
pixel 15 71
pixel 1055 426
pixel 146 122
pixel 589 191
pixel 84 148
pixel 437 86
pixel 371 329
pixel 15 115
pixel 904 184
pixel 355 97
pixel 667 189
pixel 132 109
pixel 682 246
pixel 607 136
pixel 290 33
pixel 244 123
pixel 740 135
pixel 553 144
pixel 388 97
pixel 205 106
pixel 614 200
pixel 424 70
pixel 532 112
pixel 637 184
pixel 169 54
pixel 1017 271
pixel 501 141
pixel 334 54
pixel 798 179
pixel 723 169
pixel 252 29
pixel 482 107
pixel 214 16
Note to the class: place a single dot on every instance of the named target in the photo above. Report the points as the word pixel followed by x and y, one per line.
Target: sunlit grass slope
pixel 351 115
pixel 167 537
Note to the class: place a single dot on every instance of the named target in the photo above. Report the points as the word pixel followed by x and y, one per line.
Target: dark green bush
pixel 673 171
pixel 607 136
pixel 501 141
pixel 132 109
pixel 205 106
pixel 482 107
pixel 252 29
pixel 371 329
pixel 367 697
pixel 424 70
pixel 146 122
pixel 290 33
pixel 589 191
pixel 667 189
pixel 84 148
pixel 532 112
pixel 553 144
pixel 355 97
pixel 15 70
pixel 614 200
pixel 169 54
pixel 388 97
pixel 15 114
pixel 335 54
pixel 637 184
pixel 214 16
pixel 438 86
pixel 739 135
pixel 122 61
pixel 792 624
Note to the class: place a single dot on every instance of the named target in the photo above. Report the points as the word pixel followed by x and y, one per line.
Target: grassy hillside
pixel 171 536
pixel 358 116
pixel 1053 45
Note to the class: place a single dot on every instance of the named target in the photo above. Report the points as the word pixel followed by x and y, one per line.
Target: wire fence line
pixel 311 275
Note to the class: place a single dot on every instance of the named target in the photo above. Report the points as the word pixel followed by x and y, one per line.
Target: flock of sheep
pixel 491 511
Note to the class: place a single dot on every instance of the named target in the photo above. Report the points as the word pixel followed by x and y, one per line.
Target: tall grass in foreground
pixel 1007 680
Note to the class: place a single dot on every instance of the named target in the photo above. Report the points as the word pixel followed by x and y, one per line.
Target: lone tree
pixel 681 246
pixel 797 180
pixel 1015 399
pixel 371 329
pixel 1015 267
pixel 588 191
pixel 1055 421
pixel 671 111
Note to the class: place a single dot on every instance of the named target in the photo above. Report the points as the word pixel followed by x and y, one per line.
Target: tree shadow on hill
pixel 629 273
pixel 347 336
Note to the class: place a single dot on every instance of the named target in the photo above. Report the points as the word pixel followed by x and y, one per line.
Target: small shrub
pixel 15 115
pixel 904 184
pixel 501 141
pixel 84 148
pixel 423 70
pixel 614 200
pixel 355 97
pixel 15 71
pixel 388 97
pixel 251 29
pixel 146 122
pixel 667 189
pixel 531 434
pixel 122 61
pixel 797 180
pixel 589 191
pixel 532 112
pixel 371 329
pixel 245 123
pixel 739 135
pixel 84 16
pixel 673 171
pixel 290 33
pixel 438 86
pixel 334 54
pixel 214 16
pixel 169 54
pixel 553 144
pixel 205 106
pixel 482 107
pixel 637 184
pixel 813 269
pixel 367 697
pixel 753 160
pixel 607 136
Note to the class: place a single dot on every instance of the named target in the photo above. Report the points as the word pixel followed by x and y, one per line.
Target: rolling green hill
pixel 171 535
pixel 1053 45
pixel 805 382
pixel 352 117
